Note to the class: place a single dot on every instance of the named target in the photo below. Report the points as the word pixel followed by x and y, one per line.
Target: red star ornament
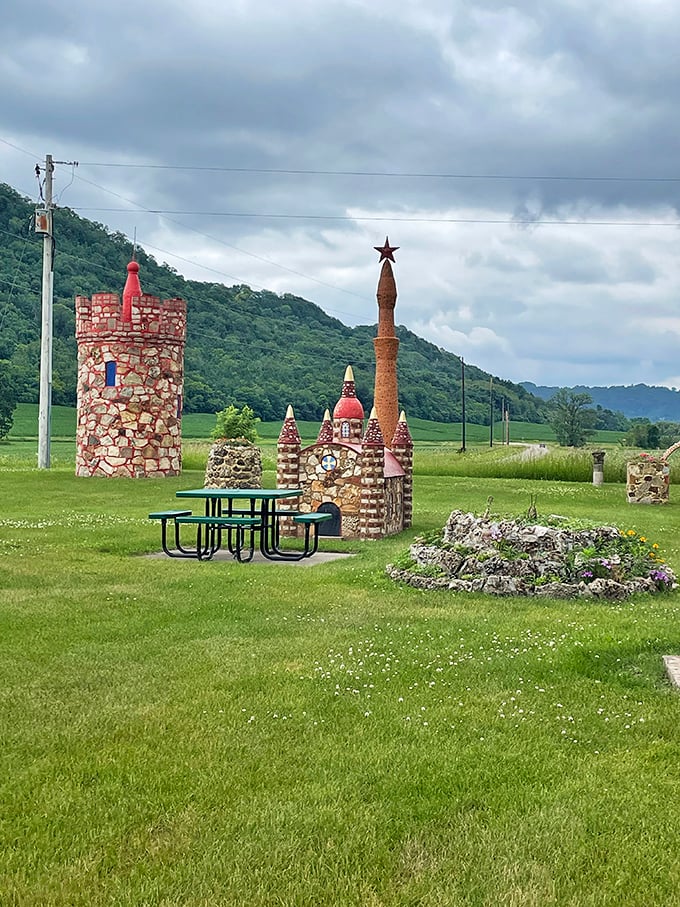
pixel 386 250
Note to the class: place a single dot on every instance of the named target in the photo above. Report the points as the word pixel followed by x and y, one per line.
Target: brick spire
pixel 133 290
pixel 386 347
pixel 402 448
pixel 372 506
pixel 288 468
pixel 373 435
pixel 326 431
pixel 402 436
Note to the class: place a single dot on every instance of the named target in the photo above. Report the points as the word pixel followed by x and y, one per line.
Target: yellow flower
pixel 631 532
pixel 642 538
pixel 655 546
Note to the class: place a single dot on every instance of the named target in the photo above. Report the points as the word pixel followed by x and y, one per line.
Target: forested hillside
pixel 636 401
pixel 243 346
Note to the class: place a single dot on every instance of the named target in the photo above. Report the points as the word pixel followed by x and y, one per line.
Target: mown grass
pixel 177 733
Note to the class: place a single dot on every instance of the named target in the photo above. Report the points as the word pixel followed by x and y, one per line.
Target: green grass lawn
pixel 177 733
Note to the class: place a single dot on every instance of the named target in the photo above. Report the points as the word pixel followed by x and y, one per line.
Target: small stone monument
pixel 647 480
pixel 234 460
pixel 234 463
pixel 598 467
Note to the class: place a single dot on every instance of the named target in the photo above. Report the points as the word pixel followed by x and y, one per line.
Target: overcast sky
pixel 459 129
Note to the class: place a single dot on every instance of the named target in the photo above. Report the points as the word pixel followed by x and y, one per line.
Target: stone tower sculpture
pixel 288 467
pixel 372 512
pixel 402 448
pixel 386 396
pixel 130 383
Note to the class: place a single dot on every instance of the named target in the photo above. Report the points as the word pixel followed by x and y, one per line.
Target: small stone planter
pixel 647 480
pixel 234 463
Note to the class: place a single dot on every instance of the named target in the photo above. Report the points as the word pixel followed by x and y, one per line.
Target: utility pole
pixel 490 412
pixel 462 393
pixel 44 226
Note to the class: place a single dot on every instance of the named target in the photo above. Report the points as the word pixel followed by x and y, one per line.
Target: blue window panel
pixel 110 374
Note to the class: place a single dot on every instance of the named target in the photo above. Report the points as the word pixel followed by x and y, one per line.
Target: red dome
pixel 348 408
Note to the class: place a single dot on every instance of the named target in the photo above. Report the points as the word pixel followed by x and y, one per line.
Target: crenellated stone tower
pixel 386 395
pixel 130 383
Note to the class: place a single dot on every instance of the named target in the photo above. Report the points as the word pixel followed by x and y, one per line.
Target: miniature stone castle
pixel 349 472
pixel 130 383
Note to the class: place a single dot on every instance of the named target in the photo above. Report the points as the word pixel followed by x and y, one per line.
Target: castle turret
pixel 348 414
pixel 130 383
pixel 326 430
pixel 402 448
pixel 386 396
pixel 372 510
pixel 288 468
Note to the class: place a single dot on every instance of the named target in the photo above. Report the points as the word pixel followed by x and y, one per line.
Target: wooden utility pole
pixel 462 393
pixel 45 406
pixel 490 412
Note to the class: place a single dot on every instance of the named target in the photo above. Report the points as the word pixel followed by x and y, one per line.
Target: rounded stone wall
pixel 234 464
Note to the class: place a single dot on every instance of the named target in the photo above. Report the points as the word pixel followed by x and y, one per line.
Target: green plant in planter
pixel 236 425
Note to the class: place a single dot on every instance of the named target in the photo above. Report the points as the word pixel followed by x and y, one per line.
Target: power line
pixel 392 219
pixel 226 244
pixel 389 174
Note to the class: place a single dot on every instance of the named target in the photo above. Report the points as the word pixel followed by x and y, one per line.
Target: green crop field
pixel 201 425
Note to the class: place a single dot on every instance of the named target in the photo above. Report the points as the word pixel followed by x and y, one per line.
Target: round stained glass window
pixel 328 463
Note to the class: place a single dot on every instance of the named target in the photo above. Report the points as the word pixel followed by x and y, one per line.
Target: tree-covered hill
pixel 636 401
pixel 243 346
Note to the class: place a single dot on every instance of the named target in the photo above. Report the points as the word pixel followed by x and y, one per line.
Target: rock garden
pixel 551 558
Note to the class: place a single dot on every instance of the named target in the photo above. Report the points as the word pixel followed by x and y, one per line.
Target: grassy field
pixel 200 426
pixel 178 733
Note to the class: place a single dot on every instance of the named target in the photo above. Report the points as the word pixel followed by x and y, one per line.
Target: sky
pixel 523 156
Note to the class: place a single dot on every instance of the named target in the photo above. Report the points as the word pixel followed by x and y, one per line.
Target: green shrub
pixel 233 423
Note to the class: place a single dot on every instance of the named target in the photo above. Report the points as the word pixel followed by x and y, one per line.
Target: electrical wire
pixel 226 244
pixel 392 219
pixel 389 174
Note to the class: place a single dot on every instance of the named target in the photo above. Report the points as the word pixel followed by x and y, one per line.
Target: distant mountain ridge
pixel 636 401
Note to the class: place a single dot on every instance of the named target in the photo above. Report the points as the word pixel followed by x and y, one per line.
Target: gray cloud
pixel 517 91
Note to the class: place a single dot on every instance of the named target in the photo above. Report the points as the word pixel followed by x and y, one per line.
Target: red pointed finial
pixel 132 289
pixel 386 250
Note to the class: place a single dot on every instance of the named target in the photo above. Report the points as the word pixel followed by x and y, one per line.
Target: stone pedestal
pixel 234 464
pixel 598 467
pixel 647 481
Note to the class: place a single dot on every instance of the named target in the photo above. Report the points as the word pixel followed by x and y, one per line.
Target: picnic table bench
pixel 238 526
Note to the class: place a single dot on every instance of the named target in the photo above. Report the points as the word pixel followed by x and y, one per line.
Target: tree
pixel 571 420
pixel 8 398
pixel 643 433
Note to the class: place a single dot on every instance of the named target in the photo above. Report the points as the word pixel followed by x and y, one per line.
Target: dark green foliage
pixel 8 397
pixel 243 346
pixel 571 420
pixel 236 423
pixel 642 433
